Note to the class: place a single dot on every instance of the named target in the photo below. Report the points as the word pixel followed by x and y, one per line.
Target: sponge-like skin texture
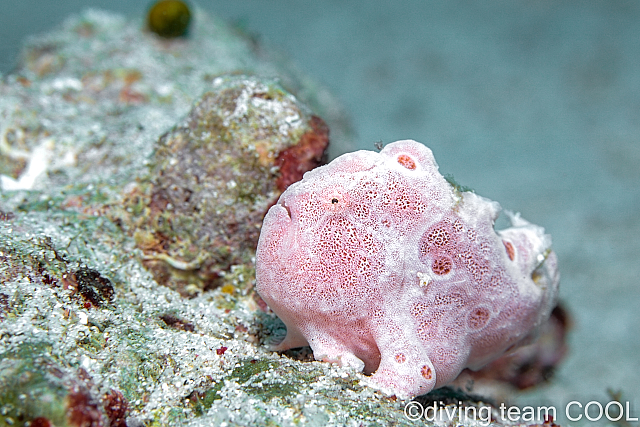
pixel 377 262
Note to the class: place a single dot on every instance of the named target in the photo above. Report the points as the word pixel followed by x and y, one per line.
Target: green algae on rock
pixel 213 176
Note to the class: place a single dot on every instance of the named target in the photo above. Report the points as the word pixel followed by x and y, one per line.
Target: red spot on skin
pixel 400 358
pixel 307 154
pixel 441 266
pixel 406 161
pixel 221 351
pixel 479 317
pixel 426 372
pixel 511 252
pixel 439 237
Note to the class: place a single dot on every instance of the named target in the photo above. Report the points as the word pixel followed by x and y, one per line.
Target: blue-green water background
pixel 534 104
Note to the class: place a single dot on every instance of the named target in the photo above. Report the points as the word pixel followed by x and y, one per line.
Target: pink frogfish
pixel 377 262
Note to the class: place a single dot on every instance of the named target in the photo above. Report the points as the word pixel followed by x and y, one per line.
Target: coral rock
pixel 377 262
pixel 213 177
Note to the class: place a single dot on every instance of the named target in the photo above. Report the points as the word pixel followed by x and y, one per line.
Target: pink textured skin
pixel 378 263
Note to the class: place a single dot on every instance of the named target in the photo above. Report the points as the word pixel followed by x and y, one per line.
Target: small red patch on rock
pixel 116 406
pixel 221 351
pixel 40 422
pixel 307 154
pixel 176 323
pixel 82 410
pixel 6 216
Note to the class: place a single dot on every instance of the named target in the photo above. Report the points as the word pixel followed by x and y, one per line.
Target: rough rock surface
pixel 212 178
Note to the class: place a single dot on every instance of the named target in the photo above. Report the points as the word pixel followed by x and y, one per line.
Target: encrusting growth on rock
pixel 213 177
